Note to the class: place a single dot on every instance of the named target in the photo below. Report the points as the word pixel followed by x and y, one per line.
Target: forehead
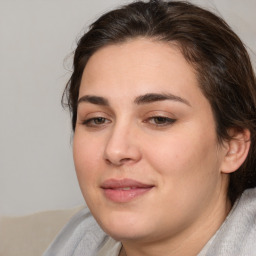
pixel 137 55
pixel 139 66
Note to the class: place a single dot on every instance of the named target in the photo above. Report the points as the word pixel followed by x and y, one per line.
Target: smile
pixel 122 191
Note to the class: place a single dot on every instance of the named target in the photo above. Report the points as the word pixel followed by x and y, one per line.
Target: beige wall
pixel 36 168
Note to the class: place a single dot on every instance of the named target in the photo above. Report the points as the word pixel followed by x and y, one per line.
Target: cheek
pixel 187 170
pixel 87 154
pixel 187 153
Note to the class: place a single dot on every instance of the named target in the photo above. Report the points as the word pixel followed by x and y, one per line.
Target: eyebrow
pixel 94 100
pixel 140 100
pixel 154 97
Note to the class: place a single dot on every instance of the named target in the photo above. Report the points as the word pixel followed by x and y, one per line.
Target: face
pixel 145 145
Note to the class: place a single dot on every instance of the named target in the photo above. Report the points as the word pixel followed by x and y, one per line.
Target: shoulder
pixel 81 236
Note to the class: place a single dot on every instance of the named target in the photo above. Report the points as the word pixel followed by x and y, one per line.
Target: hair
pixel 218 56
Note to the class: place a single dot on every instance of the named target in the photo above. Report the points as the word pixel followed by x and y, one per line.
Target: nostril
pixel 108 161
pixel 125 160
pixel 118 162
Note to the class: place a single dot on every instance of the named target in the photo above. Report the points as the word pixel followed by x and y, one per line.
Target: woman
pixel 163 104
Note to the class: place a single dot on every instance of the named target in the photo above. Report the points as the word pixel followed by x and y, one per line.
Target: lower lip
pixel 123 196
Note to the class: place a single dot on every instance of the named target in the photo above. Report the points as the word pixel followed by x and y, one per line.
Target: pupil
pixel 99 120
pixel 160 119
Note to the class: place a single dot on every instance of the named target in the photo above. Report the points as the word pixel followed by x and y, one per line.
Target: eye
pixel 160 120
pixel 95 121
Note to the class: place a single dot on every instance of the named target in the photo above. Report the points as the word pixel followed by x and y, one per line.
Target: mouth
pixel 125 190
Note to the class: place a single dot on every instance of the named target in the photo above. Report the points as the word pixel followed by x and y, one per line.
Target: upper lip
pixel 124 183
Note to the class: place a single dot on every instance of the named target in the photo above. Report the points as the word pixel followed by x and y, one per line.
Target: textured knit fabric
pixel 236 237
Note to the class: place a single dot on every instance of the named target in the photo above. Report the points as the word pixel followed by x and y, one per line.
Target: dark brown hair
pixel 223 67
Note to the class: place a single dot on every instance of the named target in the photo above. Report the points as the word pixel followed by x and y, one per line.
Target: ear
pixel 236 150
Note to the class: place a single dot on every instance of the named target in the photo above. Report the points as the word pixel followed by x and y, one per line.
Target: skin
pixel 178 153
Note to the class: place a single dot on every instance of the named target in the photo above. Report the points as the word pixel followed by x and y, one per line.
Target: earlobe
pixel 236 150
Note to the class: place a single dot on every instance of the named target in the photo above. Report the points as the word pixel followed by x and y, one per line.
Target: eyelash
pixel 92 122
pixel 157 121
pixel 164 121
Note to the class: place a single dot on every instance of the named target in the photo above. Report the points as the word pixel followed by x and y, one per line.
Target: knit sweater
pixel 82 236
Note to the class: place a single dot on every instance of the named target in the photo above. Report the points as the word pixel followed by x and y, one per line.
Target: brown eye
pixel 99 120
pixel 161 120
pixel 95 122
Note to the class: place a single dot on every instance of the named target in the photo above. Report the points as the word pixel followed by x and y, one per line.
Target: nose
pixel 122 146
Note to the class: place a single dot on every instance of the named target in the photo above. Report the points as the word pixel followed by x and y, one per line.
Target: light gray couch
pixel 30 235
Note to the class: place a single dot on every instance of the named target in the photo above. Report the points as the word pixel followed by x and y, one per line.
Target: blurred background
pixel 37 38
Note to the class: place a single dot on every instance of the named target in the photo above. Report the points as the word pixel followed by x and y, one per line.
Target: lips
pixel 124 190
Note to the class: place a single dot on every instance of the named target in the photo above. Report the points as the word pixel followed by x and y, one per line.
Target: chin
pixel 128 228
pixel 124 234
pixel 123 226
